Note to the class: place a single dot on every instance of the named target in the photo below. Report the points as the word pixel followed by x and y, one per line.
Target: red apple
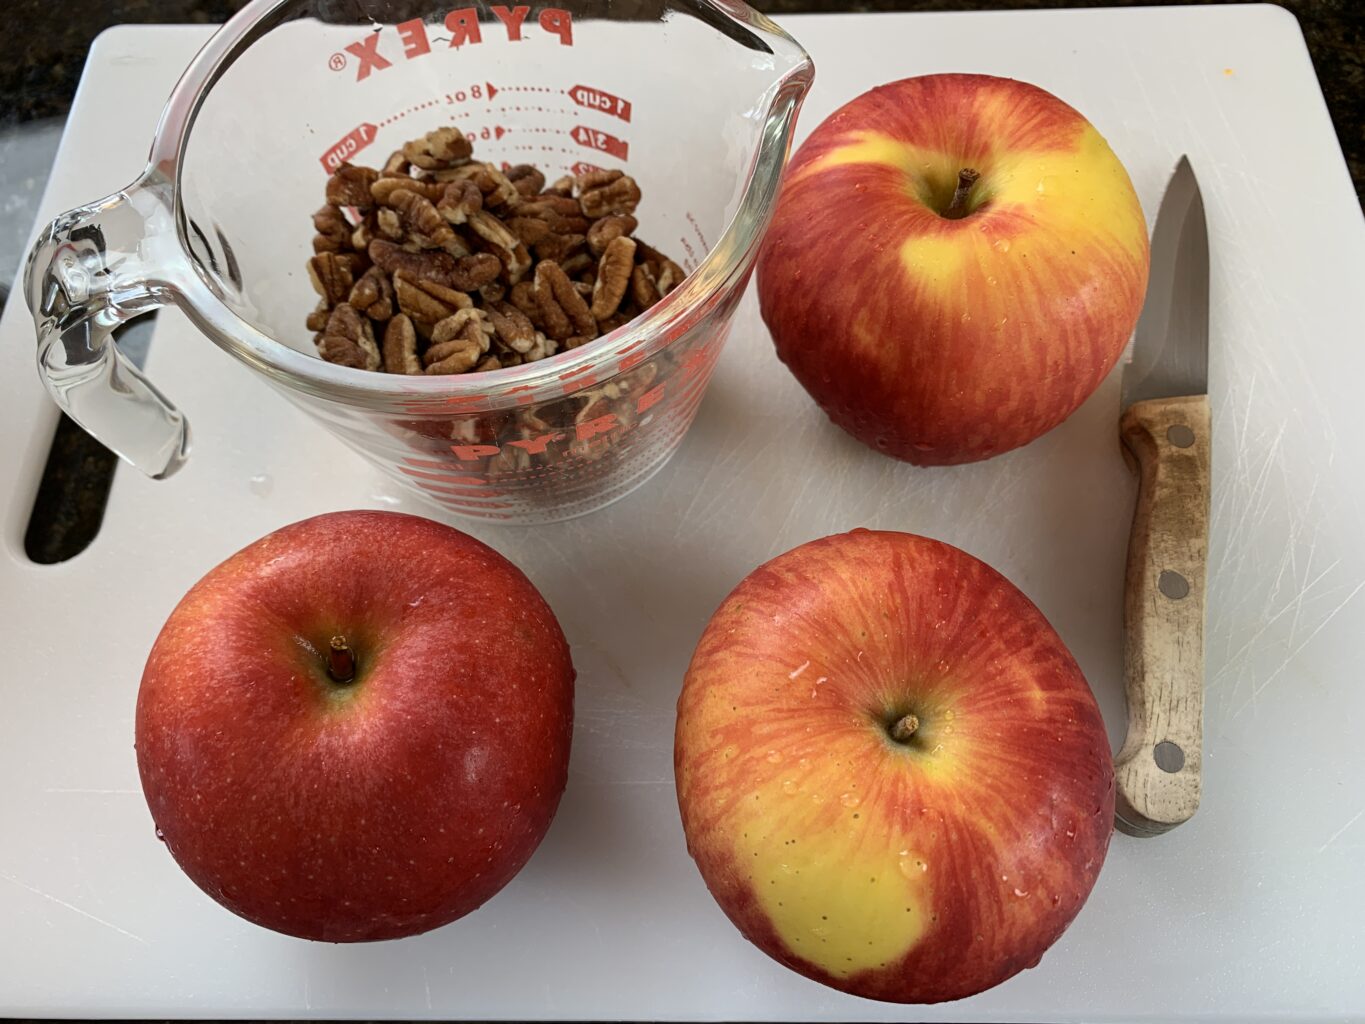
pixel 941 317
pixel 891 772
pixel 372 807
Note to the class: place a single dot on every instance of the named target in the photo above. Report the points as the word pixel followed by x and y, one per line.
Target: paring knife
pixel 1165 428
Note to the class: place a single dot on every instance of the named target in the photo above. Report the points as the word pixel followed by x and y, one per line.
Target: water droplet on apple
pixel 1002 245
pixel 789 786
pixel 161 836
pixel 910 866
pixel 966 318
pixel 774 756
pixel 1039 188
pixel 950 715
pixel 804 762
pixel 1021 893
pixel 850 800
pixel 992 281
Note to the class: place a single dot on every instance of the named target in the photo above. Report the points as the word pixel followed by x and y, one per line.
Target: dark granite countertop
pixel 43 49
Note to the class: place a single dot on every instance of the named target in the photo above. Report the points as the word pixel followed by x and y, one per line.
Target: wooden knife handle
pixel 1157 771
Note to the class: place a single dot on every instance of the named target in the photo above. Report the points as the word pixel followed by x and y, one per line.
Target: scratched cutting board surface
pixel 1251 910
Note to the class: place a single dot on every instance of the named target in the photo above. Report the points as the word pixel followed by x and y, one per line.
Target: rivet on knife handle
pixel 1158 768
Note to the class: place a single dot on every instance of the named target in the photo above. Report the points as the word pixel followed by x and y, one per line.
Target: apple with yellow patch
pixel 955 264
pixel 892 774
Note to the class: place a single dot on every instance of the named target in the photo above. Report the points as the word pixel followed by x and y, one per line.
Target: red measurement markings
pixel 604 102
pixel 497 131
pixel 583 167
pixel 351 143
pixel 601 141
pixel 477 91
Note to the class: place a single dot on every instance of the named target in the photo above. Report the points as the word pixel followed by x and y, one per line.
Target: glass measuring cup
pixel 696 99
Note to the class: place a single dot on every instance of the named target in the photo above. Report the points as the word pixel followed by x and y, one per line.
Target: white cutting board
pixel 1256 908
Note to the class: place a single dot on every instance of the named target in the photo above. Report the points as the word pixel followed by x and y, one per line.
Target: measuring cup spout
pixel 92 269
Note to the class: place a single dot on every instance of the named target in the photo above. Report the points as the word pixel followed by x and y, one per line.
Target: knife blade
pixel 1166 430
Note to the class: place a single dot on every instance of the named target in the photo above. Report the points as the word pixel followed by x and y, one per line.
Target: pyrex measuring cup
pixel 696 99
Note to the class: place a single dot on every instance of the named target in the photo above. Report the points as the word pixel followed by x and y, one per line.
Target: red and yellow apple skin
pixel 915 871
pixel 942 341
pixel 372 809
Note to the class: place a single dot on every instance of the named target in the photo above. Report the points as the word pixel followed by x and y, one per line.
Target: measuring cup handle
pixel 91 270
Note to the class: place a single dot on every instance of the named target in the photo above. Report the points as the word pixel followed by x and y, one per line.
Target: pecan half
pixel 523 296
pixel 373 294
pixel 350 185
pixel 348 340
pixel 512 327
pixel 562 213
pixel 543 348
pixel 577 264
pixel 529 230
pixel 502 243
pixel 561 186
pixel 469 323
pixel 561 307
pixel 604 229
pixel 459 355
pixel 420 216
pixel 428 301
pixel 396 164
pixel 331 277
pixel 559 247
pixel 458 200
pixel 400 347
pixel 492 184
pixel 333 230
pixel 384 188
pixel 527 179
pixel 497 188
pixel 317 320
pixel 438 150
pixel 458 342
pixel 613 277
pixel 605 192
pixel 667 274
pixel 643 287
pixel 488 362
pixel 467 273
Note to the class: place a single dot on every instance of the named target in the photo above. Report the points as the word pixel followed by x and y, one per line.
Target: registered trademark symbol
pixel 336 61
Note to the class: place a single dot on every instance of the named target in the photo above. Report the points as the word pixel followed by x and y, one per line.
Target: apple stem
pixel 341 660
pixel 957 207
pixel 904 729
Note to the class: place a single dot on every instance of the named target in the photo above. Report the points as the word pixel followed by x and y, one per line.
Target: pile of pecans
pixel 438 264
